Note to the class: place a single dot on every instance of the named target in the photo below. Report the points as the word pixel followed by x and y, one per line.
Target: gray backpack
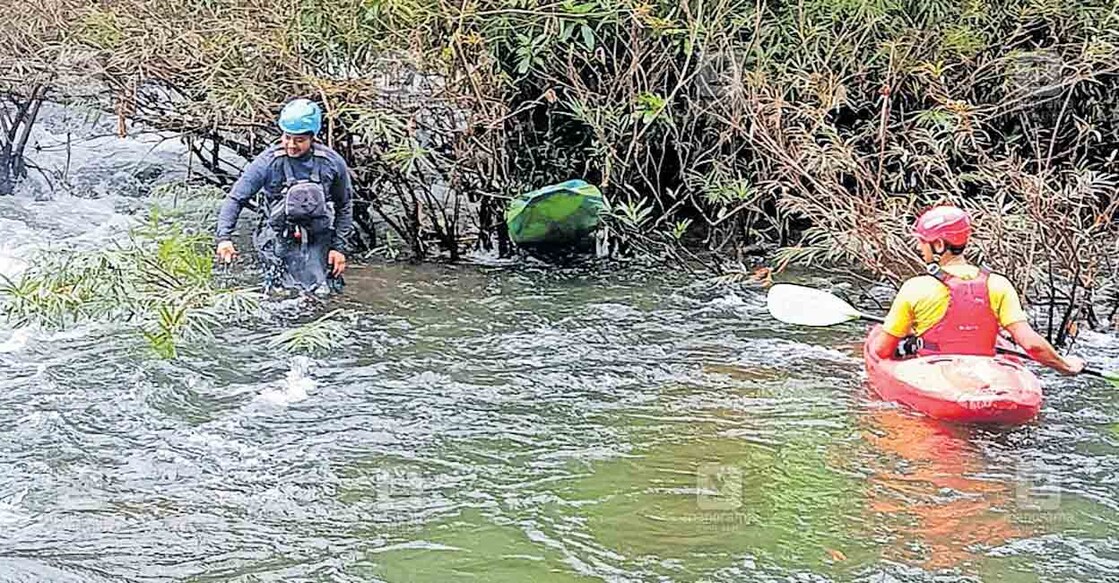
pixel 302 203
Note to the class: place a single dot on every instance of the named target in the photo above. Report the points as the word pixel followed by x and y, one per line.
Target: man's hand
pixel 1042 351
pixel 226 251
pixel 1075 365
pixel 337 261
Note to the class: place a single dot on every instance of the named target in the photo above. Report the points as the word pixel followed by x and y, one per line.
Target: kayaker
pixel 958 308
pixel 306 208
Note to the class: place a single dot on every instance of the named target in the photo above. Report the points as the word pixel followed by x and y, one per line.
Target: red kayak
pixel 956 387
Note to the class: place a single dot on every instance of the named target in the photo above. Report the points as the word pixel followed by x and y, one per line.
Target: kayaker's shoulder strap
pixel 935 271
pixel 947 278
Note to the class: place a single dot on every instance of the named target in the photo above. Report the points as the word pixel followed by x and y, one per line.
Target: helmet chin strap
pixel 933 267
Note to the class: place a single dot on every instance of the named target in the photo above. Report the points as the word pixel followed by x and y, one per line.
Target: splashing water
pixel 297 384
pixel 17 341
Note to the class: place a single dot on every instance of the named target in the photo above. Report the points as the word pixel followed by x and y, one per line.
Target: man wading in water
pixel 306 206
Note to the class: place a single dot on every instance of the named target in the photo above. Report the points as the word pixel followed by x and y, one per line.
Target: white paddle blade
pixel 804 306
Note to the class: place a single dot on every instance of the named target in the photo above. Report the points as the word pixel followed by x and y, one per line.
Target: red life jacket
pixel 970 326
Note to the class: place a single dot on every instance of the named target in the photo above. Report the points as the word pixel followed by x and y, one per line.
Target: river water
pixel 511 423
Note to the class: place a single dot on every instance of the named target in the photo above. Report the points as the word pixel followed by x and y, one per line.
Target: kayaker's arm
pixel 897 324
pixel 1042 351
pixel 884 345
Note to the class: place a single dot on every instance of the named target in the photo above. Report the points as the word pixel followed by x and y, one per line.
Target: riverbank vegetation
pixel 717 129
pixel 157 281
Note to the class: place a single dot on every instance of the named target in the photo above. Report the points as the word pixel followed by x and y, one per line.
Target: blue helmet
pixel 301 116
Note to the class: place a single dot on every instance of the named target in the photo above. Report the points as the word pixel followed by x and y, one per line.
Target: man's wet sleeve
pixel 341 192
pixel 250 182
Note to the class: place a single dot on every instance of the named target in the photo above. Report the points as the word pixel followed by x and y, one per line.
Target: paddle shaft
pixel 1009 351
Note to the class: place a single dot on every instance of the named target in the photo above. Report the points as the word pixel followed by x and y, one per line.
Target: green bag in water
pixel 557 216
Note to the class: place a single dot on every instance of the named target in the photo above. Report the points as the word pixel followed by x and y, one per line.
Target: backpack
pixel 302 203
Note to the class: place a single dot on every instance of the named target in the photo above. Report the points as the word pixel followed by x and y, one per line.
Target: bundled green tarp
pixel 555 216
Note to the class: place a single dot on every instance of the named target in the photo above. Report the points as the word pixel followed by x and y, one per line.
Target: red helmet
pixel 944 223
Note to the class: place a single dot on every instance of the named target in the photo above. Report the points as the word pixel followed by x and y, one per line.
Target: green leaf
pixel 680 228
pixel 320 335
pixel 650 106
pixel 566 28
pixel 588 37
pixel 583 8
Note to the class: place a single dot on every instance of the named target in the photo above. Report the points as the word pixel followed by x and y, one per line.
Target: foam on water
pixel 17 341
pixel 297 384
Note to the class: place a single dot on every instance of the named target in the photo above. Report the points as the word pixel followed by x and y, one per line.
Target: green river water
pixel 506 423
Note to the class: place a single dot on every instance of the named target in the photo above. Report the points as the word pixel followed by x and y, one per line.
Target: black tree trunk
pixel 15 131
pixel 5 168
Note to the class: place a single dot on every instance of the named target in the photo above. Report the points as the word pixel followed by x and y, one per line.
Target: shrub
pixel 726 126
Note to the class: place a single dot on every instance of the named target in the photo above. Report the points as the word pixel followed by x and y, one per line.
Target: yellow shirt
pixel 922 302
